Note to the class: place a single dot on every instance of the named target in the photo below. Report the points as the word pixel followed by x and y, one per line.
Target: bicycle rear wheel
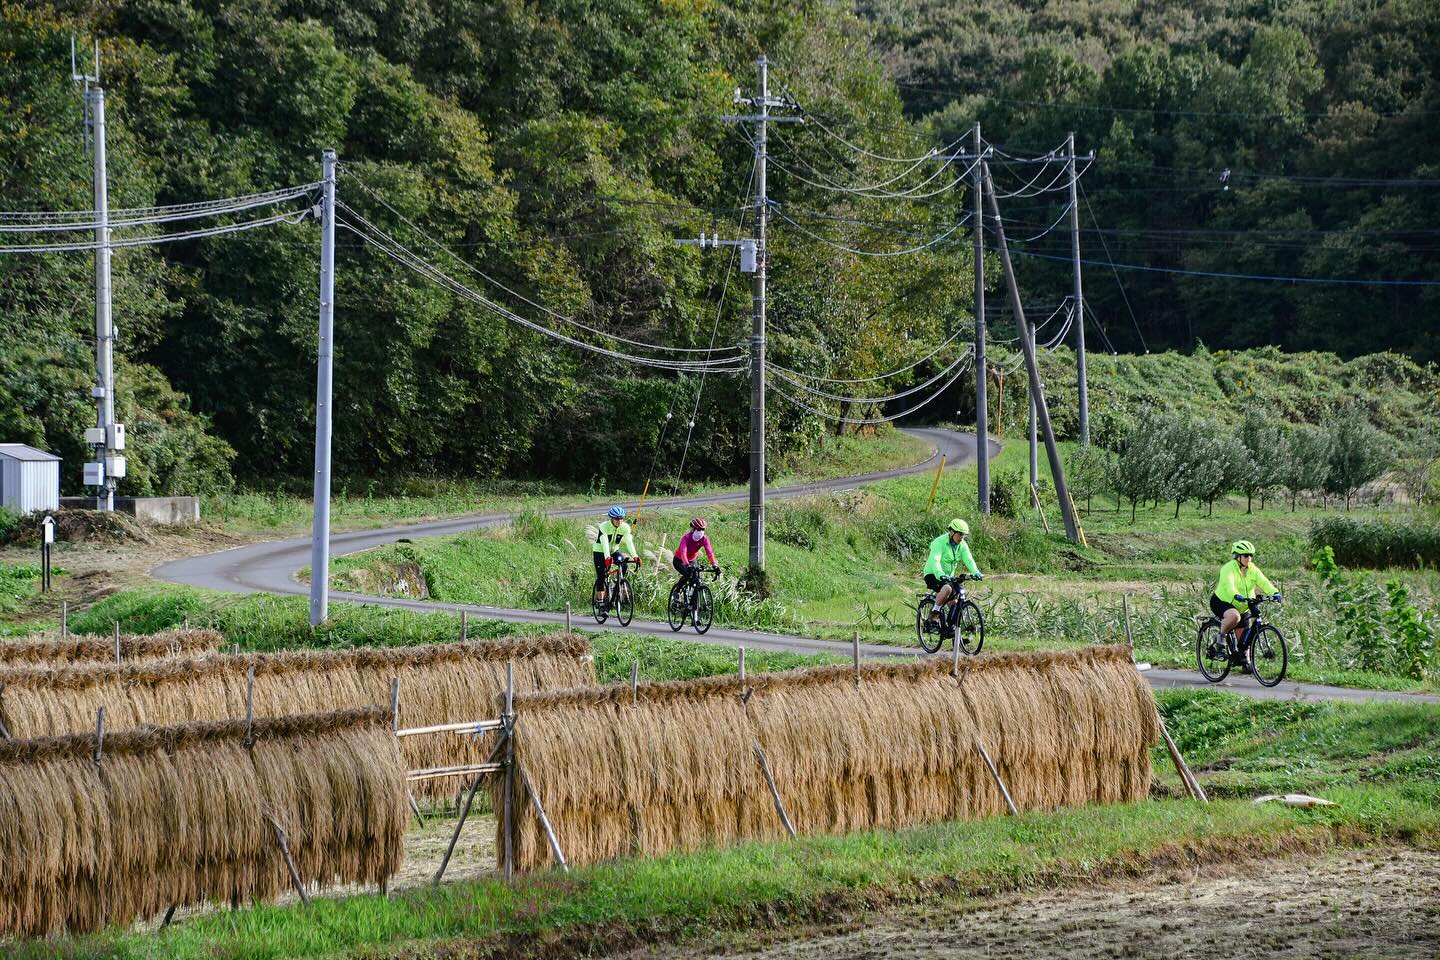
pixel 969 628
pixel 926 632
pixel 1268 656
pixel 1211 653
pixel 704 609
pixel 678 608
pixel 625 603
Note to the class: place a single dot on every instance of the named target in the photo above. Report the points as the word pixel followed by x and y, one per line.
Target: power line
pixel 289 217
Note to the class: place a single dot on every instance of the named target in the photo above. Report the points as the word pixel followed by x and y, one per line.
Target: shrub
pixel 802 526
pixel 1378 543
pixel 1007 494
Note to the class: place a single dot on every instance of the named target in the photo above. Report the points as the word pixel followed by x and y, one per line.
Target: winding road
pixel 273 567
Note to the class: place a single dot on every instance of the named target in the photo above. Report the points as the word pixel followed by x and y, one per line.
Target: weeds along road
pixel 273 568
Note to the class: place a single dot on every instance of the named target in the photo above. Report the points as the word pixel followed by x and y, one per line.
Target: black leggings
pixel 687 571
pixel 599 570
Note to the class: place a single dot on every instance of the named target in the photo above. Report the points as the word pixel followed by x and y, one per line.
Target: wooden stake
pixel 509 822
pixel 465 811
pixel 855 655
pixel 567 617
pixel 742 672
pixel 936 485
pixel 954 647
pixel 1035 491
pixel 169 915
pixel 64 619
pixel 395 704
pixel 250 707
pixel 289 861
pixel 995 775
pixel 774 791
pixel 99 733
pixel 464 626
pixel 1084 540
pixel 415 807
pixel 4 730
pixel 1192 786
pixel 1125 608
pixel 555 850
pixel 634 681
pixel 117 641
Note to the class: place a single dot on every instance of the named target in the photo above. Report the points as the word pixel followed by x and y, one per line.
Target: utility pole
pixel 759 266
pixel 757 332
pixel 320 533
pixel 1027 343
pixel 107 437
pixel 982 409
pixel 1079 299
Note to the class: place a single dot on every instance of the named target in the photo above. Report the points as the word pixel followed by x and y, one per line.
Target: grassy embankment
pixel 1378 762
pixel 412 500
pixel 850 561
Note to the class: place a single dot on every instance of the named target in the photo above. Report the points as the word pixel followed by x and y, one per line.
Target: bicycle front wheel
pixel 625 603
pixel 1268 656
pixel 678 608
pixel 969 628
pixel 926 632
pixel 704 609
pixel 600 609
pixel 1211 654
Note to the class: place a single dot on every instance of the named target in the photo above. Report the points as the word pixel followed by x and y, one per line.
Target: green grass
pixel 1375 761
pixel 849 562
pixel 399 501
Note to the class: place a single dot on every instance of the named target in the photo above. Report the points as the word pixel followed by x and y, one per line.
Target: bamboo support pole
pixel 954 648
pixel 544 821
pixel 1084 541
pixel 1125 609
pixel 855 655
pixel 465 812
pixel 464 769
pixel 395 705
pixel 464 626
pixel 567 616
pixel 1035 492
pixel 643 494
pixel 742 672
pixel 995 775
pixel 250 707
pixel 934 487
pixel 464 727
pixel 117 642
pixel 634 681
pixel 169 915
pixel 99 733
pixel 1192 786
pixel 4 730
pixel 284 845
pixel 509 771
pixel 64 619
pixel 415 807
pixel 774 791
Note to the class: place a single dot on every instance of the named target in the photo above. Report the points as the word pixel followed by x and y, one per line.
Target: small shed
pixel 29 478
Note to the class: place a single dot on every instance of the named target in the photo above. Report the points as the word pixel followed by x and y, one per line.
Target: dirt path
pixel 1374 903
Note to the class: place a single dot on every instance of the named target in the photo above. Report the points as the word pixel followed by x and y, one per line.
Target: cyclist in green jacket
pixel 613 533
pixel 1238 578
pixel 947 552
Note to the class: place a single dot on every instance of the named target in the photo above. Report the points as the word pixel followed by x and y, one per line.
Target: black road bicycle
pixel 961 620
pixel 691 601
pixel 1261 647
pixel 619 597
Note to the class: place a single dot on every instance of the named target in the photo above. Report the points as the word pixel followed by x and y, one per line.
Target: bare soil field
pixel 1374 903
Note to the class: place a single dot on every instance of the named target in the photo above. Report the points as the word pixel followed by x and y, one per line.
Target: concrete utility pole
pixel 1078 297
pixel 107 437
pixel 1027 343
pixel 757 332
pixel 982 410
pixel 320 533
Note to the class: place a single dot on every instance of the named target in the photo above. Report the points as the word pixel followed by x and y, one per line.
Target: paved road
pixel 272 568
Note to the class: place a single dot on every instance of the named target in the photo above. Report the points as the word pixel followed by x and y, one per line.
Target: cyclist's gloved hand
pixel 1278 598
pixel 979 576
pixel 1240 597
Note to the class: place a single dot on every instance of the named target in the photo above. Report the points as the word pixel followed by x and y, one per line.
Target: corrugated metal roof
pixel 19 451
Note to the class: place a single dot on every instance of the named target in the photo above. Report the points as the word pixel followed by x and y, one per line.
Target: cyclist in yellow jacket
pixel 947 553
pixel 610 536
pixel 1238 578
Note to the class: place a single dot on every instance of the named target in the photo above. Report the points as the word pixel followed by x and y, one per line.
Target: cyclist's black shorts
pixel 1218 607
pixel 687 570
pixel 934 582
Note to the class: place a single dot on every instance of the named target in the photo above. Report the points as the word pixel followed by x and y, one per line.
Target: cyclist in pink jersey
pixel 689 549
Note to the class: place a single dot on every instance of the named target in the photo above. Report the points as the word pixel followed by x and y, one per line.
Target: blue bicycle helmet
pixel 617 513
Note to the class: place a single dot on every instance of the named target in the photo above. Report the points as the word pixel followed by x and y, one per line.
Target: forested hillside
pixel 1324 114
pixel 559 146
pixel 547 154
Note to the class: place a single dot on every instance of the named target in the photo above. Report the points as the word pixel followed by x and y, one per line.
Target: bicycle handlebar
pixel 1256 601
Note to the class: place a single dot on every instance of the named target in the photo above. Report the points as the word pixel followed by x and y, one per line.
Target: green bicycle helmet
pixel 1242 546
pixel 960 526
